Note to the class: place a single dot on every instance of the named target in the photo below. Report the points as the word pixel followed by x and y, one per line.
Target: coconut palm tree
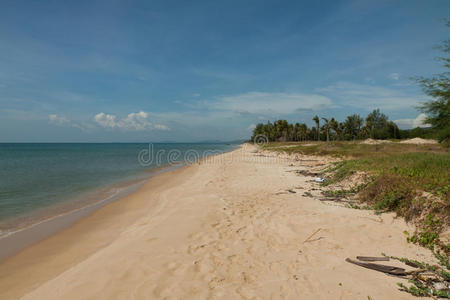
pixel 352 126
pixel 317 120
pixel 326 128
pixel 304 131
pixel 335 126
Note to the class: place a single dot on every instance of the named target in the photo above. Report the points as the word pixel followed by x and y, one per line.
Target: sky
pixel 188 71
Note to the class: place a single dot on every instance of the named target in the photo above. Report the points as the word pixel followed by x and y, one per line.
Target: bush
pixel 390 192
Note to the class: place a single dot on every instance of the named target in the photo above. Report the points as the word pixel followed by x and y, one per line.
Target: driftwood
pixel 333 199
pixel 381 268
pixel 429 280
pixel 371 258
pixel 312 235
pixel 411 264
pixel 285 192
pixel 307 173
pixel 336 199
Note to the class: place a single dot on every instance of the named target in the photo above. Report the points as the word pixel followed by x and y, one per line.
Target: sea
pixel 41 180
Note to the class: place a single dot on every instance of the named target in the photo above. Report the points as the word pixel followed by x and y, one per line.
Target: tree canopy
pixel 376 125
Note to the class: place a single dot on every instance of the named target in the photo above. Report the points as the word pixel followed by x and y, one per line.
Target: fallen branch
pixel 312 235
pixel 371 258
pixel 381 268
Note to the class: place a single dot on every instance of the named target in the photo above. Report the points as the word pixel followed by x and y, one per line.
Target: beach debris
pixel 319 179
pixel 307 173
pixel 379 220
pixel 309 237
pixel 286 191
pixel 381 268
pixel 372 258
pixel 427 280
pixel 333 199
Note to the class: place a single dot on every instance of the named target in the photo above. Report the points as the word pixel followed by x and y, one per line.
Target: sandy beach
pixel 235 226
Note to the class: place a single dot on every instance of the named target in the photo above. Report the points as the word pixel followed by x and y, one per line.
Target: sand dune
pixel 217 230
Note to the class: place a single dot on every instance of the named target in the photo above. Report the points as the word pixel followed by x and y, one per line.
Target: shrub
pixel 389 192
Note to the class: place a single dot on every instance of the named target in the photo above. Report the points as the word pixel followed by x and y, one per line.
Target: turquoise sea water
pixel 36 177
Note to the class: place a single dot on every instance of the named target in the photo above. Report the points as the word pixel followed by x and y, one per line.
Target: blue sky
pixel 87 71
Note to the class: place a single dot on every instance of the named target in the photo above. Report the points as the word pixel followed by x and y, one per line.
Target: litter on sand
pixel 381 268
pixel 319 179
pixel 427 280
pixel 371 258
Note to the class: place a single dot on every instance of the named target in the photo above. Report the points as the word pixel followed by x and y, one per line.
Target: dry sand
pixel 370 141
pixel 222 229
pixel 419 141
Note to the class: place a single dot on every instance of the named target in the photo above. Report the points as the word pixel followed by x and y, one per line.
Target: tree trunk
pixel 318 132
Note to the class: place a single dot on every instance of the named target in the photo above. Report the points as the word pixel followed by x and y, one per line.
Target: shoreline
pixel 229 229
pixel 14 241
pixel 99 228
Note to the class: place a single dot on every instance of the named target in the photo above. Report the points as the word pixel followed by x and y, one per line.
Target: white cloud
pixel 133 121
pixel 368 97
pixel 394 76
pixel 412 123
pixel 161 127
pixel 57 120
pixel 104 120
pixel 270 103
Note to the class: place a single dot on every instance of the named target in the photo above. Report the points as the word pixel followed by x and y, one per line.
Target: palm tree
pixel 317 120
pixel 296 132
pixel 335 126
pixel 326 127
pixel 303 131
pixel 353 125
pixel 369 127
pixel 342 130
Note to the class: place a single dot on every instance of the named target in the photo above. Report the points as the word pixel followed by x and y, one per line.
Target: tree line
pixel 376 126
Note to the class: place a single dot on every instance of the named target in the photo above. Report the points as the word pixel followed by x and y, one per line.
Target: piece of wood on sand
pixel 371 258
pixel 312 235
pixel 381 268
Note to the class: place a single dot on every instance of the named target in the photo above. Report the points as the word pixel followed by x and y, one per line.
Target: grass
pixel 426 167
pixel 398 173
pixel 354 149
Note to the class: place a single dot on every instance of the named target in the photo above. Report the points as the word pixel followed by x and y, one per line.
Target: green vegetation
pixel 420 290
pixel 355 149
pixel 425 286
pixel 430 234
pixel 377 125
